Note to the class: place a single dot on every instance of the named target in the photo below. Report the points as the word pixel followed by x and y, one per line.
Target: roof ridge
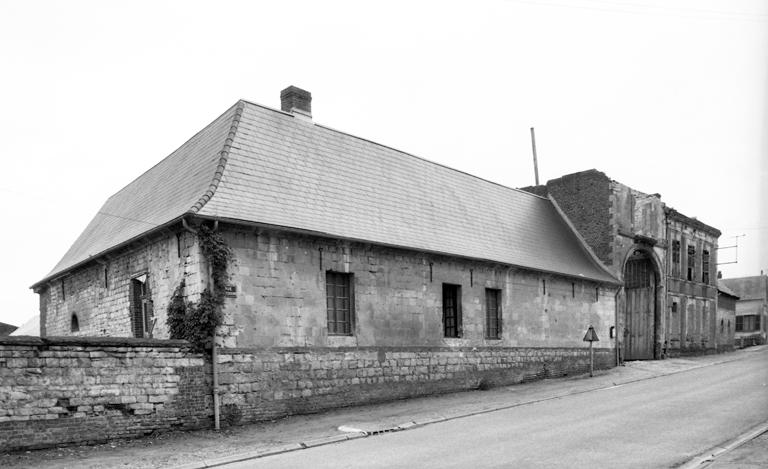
pixel 223 158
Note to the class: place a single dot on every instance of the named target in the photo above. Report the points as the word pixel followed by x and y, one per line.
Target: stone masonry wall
pixel 58 391
pixel 279 297
pixel 261 384
pixel 99 293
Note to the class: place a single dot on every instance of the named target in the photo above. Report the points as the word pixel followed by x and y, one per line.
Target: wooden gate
pixel 639 325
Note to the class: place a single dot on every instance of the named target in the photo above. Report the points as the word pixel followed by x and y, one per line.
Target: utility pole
pixel 535 162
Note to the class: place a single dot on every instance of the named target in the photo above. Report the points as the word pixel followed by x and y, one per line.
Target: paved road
pixel 653 423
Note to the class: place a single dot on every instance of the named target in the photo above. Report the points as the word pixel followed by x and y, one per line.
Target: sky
pixel 665 96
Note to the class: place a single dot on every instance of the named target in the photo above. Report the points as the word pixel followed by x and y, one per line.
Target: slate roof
pixel 257 164
pixel 723 288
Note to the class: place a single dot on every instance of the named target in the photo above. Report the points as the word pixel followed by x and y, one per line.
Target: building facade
pixel 751 309
pixel 666 260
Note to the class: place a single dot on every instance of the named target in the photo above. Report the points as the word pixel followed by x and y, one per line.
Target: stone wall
pixel 279 298
pixel 99 293
pixel 60 391
pixel 56 391
pixel 264 384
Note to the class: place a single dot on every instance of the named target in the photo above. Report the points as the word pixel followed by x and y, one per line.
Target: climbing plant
pixel 195 322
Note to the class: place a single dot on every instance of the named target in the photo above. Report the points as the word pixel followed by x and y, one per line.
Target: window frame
pixel 452 313
pixel 691 262
pixel 705 266
pixel 141 307
pixel 493 314
pixel 340 321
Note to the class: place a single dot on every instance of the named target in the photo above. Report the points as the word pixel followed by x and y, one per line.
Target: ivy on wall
pixel 195 322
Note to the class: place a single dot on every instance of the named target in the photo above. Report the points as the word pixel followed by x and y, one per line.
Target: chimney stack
pixel 296 101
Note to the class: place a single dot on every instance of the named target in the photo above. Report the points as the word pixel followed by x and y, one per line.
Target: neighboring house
pixel 666 260
pixel 725 322
pixel 751 308
pixel 6 329
pixel 338 243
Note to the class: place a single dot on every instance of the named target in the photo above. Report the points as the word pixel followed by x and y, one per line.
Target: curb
pixel 245 456
pixel 709 456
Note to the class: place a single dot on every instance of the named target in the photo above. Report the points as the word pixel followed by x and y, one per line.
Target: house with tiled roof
pixel 751 326
pixel 339 245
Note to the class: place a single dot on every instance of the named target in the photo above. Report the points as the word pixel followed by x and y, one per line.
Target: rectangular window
pixel 691 262
pixel 340 302
pixel 451 310
pixel 705 266
pixel 676 258
pixel 63 291
pixel 492 313
pixel 142 320
pixel 748 323
pixel 544 286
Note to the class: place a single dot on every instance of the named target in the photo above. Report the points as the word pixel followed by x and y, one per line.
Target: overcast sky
pixel 665 96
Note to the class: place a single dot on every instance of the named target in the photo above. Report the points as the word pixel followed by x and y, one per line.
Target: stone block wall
pixel 58 391
pixel 99 293
pixel 264 384
pixel 279 298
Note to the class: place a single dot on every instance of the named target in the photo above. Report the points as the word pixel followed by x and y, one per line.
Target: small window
pixel 74 325
pixel 676 251
pixel 597 294
pixel 674 306
pixel 106 277
pixel 63 291
pixel 451 310
pixel 544 286
pixel 492 313
pixel 573 290
pixel 340 302
pixel 142 316
pixel 705 266
pixel 691 262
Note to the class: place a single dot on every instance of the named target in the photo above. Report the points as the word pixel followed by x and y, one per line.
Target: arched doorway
pixel 640 321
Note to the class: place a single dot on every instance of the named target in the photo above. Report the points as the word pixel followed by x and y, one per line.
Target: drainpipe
pixel 214 352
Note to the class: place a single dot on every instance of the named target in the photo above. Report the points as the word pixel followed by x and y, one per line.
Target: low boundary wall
pixel 59 391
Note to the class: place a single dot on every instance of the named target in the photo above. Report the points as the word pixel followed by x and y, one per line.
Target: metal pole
pixel 535 162
pixel 591 360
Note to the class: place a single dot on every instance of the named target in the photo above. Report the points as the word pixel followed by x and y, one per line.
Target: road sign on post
pixel 591 336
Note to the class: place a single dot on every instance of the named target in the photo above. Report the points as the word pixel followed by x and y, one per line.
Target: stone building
pixel 725 321
pixel 666 260
pixel 425 277
pixel 751 308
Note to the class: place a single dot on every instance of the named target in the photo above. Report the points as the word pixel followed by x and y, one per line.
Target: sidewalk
pixel 206 448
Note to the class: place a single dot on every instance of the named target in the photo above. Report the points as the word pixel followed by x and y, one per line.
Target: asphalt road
pixel 653 423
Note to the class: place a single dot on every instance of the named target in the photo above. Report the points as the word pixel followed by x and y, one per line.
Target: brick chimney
pixel 296 101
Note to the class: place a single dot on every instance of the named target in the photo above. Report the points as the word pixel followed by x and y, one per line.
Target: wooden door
pixel 639 326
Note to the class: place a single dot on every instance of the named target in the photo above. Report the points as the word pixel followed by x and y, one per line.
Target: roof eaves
pixel 302 231
pixel 223 157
